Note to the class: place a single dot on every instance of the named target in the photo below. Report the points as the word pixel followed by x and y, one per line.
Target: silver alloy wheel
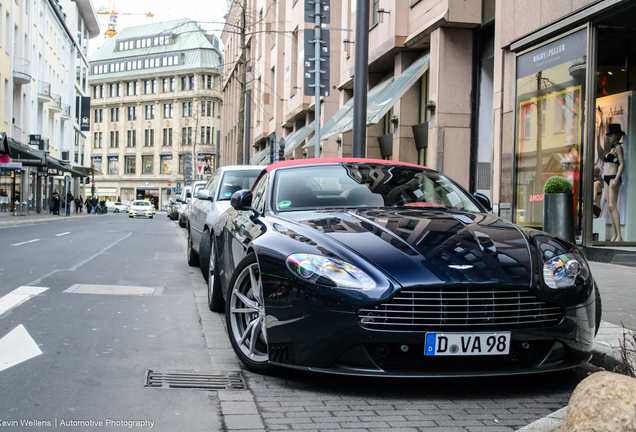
pixel 247 319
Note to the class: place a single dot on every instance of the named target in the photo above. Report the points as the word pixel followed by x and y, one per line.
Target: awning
pixel 298 138
pixel 332 122
pixel 388 98
pixel 258 156
pixel 345 124
pixel 87 171
pixel 51 162
pixel 21 152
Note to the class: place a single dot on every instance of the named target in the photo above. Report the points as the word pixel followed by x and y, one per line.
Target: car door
pixel 200 210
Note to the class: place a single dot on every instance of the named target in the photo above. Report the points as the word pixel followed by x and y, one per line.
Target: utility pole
pixel 318 12
pixel 360 75
pixel 248 126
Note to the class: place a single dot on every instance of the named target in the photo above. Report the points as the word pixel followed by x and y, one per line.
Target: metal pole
pixel 248 120
pixel 317 76
pixel 218 152
pixel 360 79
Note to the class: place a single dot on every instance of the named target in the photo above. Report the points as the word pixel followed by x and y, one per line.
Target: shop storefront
pixel 574 118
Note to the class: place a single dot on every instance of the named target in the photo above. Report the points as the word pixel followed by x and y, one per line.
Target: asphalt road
pixel 96 349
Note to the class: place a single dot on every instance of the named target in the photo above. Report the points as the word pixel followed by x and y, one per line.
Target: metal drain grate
pixel 216 380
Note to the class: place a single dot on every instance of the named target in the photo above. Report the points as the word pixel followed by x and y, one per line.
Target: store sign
pixel 55 172
pixel 42 171
pixel 85 118
pixel 11 165
pixel 568 48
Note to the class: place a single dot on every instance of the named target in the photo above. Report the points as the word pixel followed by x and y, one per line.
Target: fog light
pixel 525 345
pixel 404 348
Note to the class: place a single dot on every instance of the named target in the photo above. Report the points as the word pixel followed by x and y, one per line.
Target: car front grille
pixel 456 309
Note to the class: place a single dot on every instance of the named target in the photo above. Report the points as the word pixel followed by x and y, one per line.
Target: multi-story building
pixel 491 92
pixel 155 110
pixel 43 74
pixel 274 40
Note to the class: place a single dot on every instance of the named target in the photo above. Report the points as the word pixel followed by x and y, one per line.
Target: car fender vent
pixel 215 380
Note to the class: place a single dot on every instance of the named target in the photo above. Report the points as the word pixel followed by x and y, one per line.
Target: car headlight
pixel 340 273
pixel 563 270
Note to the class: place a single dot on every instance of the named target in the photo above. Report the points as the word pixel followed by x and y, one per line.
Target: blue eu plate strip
pixel 431 340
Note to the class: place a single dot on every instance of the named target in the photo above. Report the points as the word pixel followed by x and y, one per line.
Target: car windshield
pixel 235 181
pixel 141 203
pixel 352 185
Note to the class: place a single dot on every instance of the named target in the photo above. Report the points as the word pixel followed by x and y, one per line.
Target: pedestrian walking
pixel 69 200
pixel 94 203
pixel 56 202
pixel 89 207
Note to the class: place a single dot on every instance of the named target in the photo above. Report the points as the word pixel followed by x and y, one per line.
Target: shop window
pixel 166 164
pixel 131 164
pixel 549 126
pixel 113 165
pixel 147 162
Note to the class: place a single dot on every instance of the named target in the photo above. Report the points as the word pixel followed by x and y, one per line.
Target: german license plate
pixel 466 344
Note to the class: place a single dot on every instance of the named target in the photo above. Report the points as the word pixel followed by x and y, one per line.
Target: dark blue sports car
pixel 375 267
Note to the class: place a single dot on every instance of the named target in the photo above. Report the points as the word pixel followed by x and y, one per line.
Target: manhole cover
pixel 114 289
pixel 215 380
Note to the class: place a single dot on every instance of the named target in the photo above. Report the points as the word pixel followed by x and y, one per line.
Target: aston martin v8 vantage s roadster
pixel 375 267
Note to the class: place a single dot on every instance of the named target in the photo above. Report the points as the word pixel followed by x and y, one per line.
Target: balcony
pixel 55 104
pixel 66 112
pixel 21 71
pixel 44 92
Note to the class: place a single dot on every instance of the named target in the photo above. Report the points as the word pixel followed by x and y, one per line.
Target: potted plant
pixel 558 208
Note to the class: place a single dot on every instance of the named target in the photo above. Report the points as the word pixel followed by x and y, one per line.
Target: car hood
pixel 420 247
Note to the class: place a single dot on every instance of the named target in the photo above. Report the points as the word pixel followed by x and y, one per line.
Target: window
pixel 207 135
pixel 212 108
pixel 132 113
pixel 202 134
pixel 114 114
pixel 136 87
pixel 182 159
pixel 147 87
pixel 209 82
pixel 203 108
pixel 149 138
pixel 191 81
pixel 166 164
pixel 184 83
pixel 173 84
pixel 167 110
pixel 167 136
pixel 114 139
pixel 97 163
pixel 189 136
pixel 164 85
pixel 113 165
pixel 98 116
pixel 97 140
pixel 129 88
pixel 131 164
pixel 111 89
pixel 131 140
pixel 150 112
pixel 375 5
pixel 147 162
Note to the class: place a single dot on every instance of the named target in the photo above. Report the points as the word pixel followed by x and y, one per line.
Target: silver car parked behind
pixel 211 201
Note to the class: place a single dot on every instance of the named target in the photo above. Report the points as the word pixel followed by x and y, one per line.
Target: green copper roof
pixel 188 39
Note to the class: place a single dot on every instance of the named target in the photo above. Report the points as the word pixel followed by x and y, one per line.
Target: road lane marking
pixel 30 241
pixel 18 296
pixel 75 267
pixel 16 347
pixel 61 234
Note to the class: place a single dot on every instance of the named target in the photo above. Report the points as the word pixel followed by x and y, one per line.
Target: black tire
pixel 240 316
pixel 599 308
pixel 204 254
pixel 181 222
pixel 193 257
pixel 150 217
pixel 216 303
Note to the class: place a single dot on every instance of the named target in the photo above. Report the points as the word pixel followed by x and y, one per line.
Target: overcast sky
pixel 205 11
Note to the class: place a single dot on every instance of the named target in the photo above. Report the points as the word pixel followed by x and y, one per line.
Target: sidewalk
pixel 8 220
pixel 619 305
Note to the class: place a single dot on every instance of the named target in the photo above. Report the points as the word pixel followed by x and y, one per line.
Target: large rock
pixel 603 401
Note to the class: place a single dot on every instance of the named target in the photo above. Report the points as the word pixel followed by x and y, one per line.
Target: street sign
pixel 169 184
pixel 310 14
pixel 309 69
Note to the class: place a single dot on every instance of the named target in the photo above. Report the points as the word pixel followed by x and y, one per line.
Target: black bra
pixel 611 158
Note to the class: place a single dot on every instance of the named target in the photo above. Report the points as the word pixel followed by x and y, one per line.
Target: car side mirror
pixel 204 194
pixel 483 200
pixel 242 200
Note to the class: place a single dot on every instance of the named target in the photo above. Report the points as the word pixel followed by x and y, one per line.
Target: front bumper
pixel 317 331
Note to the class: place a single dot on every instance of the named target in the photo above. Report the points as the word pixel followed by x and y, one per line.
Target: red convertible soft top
pixel 313 161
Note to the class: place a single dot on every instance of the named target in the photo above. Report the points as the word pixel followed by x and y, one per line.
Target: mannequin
pixel 614 168
pixel 598 192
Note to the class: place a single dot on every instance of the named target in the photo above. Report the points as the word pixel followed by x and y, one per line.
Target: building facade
pixel 43 75
pixel 155 110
